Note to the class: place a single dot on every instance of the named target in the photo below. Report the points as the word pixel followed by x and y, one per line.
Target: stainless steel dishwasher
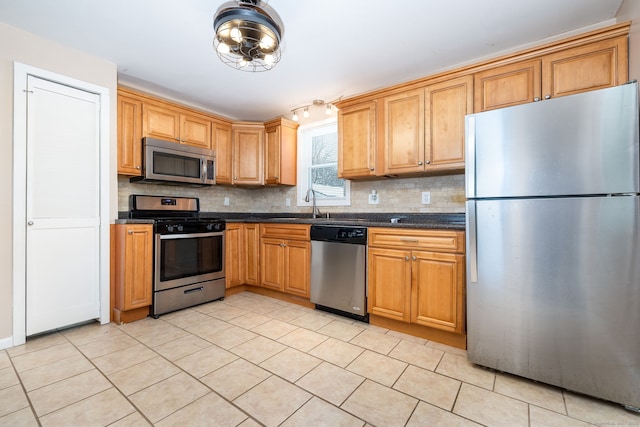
pixel 338 270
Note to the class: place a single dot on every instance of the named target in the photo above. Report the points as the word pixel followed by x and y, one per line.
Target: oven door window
pixel 190 256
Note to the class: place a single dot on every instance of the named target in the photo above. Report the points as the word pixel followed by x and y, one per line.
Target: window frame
pixel 305 135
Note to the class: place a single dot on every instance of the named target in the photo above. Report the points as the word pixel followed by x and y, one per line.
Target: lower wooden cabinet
pixel 417 276
pixel 285 258
pixel 133 271
pixel 241 254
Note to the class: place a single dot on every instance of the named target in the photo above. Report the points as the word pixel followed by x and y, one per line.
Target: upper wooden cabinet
pixel 129 135
pixel 357 140
pixel 424 128
pixel 281 145
pixel 568 71
pixel 176 125
pixel 248 153
pixel 222 143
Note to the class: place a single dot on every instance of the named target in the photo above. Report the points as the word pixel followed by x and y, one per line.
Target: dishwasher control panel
pixel 329 233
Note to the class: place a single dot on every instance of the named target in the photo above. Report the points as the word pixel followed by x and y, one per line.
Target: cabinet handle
pixel 371 169
pixel 130 231
pixel 406 258
pixel 413 258
pixel 404 239
pixel 178 139
pixel 30 223
pixel 419 163
pixel 547 96
pixel 536 99
pixel 428 162
pixel 138 167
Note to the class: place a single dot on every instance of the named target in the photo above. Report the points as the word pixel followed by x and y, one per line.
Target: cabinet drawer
pixel 435 240
pixel 285 231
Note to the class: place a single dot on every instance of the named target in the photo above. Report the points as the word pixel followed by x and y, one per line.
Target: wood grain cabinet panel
pixel 281 148
pixel 357 141
pixel 134 271
pixel 234 255
pixel 416 286
pixel 222 143
pixel 507 85
pixel 285 258
pixel 248 154
pixel 129 136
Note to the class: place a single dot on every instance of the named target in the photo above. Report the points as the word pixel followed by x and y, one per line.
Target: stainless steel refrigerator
pixel 553 242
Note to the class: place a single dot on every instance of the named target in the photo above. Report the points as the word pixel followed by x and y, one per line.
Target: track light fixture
pixel 329 108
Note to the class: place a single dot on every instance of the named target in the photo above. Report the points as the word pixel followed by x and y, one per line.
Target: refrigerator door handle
pixel 473 242
pixel 470 155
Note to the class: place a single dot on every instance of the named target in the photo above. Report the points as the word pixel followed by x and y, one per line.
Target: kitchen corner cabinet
pixel 285 258
pixel 357 141
pixel 248 153
pixel 281 147
pixel 176 125
pixel 590 66
pixel 133 271
pixel 129 136
pixel 417 276
pixel 424 128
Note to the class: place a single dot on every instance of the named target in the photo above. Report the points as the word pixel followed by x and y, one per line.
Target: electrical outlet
pixel 374 198
pixel 426 198
pixel 287 201
pixel 226 201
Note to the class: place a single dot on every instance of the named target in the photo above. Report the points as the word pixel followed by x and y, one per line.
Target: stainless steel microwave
pixel 169 162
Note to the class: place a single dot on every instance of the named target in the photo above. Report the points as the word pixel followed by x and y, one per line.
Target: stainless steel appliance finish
pixel 188 252
pixel 170 162
pixel 553 238
pixel 338 270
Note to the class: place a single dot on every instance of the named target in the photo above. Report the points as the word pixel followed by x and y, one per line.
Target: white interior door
pixel 62 206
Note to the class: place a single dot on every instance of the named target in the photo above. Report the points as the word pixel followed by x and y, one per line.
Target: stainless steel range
pixel 188 252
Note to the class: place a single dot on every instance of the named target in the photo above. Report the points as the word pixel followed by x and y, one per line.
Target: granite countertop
pixel 446 221
pixel 449 221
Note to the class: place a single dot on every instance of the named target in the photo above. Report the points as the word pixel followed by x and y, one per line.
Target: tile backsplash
pixel 396 195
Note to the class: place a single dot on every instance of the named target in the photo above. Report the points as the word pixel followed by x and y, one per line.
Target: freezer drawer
pixel 554 292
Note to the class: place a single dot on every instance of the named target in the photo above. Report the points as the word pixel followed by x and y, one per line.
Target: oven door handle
pixel 190 235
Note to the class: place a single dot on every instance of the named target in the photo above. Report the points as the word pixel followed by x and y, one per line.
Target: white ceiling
pixel 332 48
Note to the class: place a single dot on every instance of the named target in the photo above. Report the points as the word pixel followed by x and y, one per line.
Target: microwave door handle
pixel 203 172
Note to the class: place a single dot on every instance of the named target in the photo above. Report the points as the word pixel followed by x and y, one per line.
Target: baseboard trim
pixel 6 343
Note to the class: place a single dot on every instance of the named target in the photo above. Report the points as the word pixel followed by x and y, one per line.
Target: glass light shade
pixel 295 116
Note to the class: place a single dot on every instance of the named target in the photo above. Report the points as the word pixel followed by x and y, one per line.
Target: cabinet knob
pixel 406 258
pixel 419 163
pixel 413 258
pixel 30 223
pixel 547 96
pixel 178 139
pixel 428 162
pixel 372 169
pixel 130 231
pixel 536 99
pixel 138 167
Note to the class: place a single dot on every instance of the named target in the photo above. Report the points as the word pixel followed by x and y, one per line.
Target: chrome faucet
pixel 316 211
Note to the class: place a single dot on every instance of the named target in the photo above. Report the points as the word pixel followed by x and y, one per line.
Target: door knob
pixel 30 223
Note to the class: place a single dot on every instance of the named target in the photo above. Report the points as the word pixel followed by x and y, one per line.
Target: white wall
pixel 20 46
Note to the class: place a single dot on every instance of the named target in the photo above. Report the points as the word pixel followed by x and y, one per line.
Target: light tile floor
pixel 251 360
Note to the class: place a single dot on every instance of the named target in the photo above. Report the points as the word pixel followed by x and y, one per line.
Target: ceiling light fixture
pixel 248 35
pixel 329 108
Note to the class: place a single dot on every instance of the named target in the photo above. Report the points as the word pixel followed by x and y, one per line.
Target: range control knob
pixel 170 228
pixel 180 228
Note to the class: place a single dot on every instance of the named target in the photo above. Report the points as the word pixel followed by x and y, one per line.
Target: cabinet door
pixel 272 151
pixel 357 141
pixel 507 85
pixel 160 122
pixel 195 130
pixel 251 245
pixel 593 66
pixel 223 146
pixel 248 156
pixel 297 267
pixel 438 290
pixel 272 263
pixel 446 105
pixel 233 267
pixel 129 136
pixel 404 132
pixel 137 255
pixel 390 283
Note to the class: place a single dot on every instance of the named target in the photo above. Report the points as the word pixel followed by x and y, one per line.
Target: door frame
pixel 20 74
